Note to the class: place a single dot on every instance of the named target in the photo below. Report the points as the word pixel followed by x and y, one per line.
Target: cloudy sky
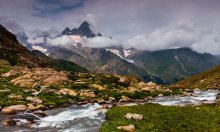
pixel 144 24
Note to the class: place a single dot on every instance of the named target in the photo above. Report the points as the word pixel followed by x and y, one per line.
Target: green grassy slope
pixel 174 64
pixel 164 118
pixel 204 80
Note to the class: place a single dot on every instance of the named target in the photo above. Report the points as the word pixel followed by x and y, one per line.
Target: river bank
pixel 89 117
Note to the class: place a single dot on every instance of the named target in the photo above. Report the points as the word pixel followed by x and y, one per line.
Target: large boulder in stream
pixel 14 109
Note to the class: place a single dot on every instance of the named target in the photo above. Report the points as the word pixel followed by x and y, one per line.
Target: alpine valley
pixel 109 66
pixel 163 67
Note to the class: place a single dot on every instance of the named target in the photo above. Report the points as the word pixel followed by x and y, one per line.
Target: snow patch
pixel 39 48
pixel 127 52
pixel 117 52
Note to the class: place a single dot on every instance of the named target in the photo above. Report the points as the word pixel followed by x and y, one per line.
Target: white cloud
pixel 99 42
pixel 59 41
pixel 181 34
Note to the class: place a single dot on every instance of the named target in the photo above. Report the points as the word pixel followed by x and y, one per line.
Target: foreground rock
pixel 134 116
pixel 87 93
pixel 9 122
pixel 129 128
pixel 124 99
pixel 14 109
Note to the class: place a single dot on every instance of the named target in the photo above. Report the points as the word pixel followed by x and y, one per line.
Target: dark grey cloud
pixel 45 8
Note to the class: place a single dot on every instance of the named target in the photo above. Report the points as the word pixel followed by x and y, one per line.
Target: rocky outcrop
pixel 41 76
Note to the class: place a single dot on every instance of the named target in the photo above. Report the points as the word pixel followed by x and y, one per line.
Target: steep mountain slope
pixel 16 54
pixel 102 61
pixel 204 80
pixel 58 64
pixel 174 64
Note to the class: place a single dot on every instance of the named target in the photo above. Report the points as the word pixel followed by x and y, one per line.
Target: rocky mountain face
pixel 82 30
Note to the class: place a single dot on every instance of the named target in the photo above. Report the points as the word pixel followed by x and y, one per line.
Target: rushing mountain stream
pixel 89 117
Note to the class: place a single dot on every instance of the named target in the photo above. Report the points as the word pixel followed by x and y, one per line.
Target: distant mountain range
pixel 164 66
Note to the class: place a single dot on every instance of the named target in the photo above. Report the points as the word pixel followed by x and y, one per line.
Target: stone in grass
pixel 14 96
pixel 124 99
pixel 129 128
pixel 134 116
pixel 34 100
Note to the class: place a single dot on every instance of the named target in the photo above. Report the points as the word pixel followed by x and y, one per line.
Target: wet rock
pixel 103 107
pixel 160 95
pixel 129 128
pixel 134 116
pixel 124 99
pixel 196 89
pixel 40 113
pixel 36 107
pixel 9 122
pixel 14 109
pixel 186 93
pixel 34 100
pixel 14 96
pixel 100 100
pixel 209 102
